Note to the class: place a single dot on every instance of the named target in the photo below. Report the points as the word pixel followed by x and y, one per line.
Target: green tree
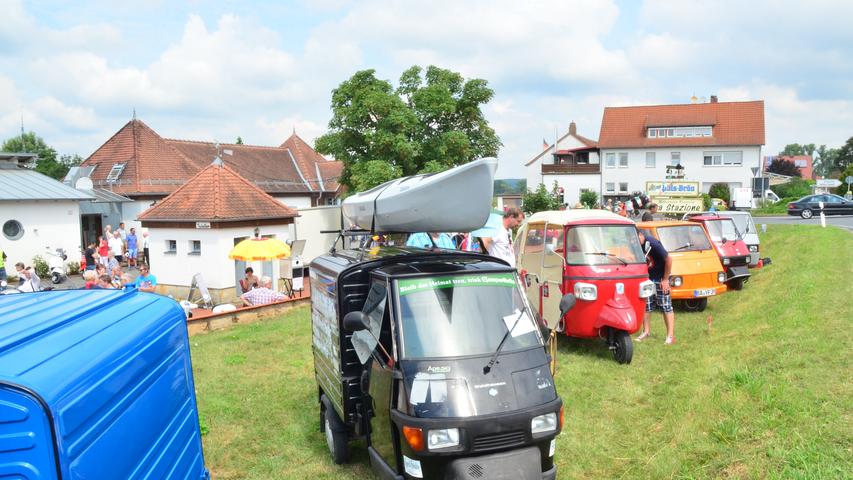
pixel 784 167
pixel 848 172
pixel 239 140
pixel 824 161
pixel 539 200
pixel 431 122
pixel 47 162
pixel 792 149
pixel 845 156
pixel 589 198
pixel 720 190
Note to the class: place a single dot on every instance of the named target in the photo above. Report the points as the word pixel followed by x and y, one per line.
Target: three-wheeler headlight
pixel 445 438
pixel 586 291
pixel 727 261
pixel 753 248
pixel 647 289
pixel 544 423
pixel 675 281
pixel 721 277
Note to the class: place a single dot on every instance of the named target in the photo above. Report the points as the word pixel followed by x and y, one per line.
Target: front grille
pixel 494 441
pixel 739 261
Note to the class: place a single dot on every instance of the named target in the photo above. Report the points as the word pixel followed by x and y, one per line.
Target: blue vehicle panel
pixel 112 372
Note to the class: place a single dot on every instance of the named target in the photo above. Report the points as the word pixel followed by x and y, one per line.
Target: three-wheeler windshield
pixel 463 315
pixel 603 245
pixel 684 238
pixel 723 228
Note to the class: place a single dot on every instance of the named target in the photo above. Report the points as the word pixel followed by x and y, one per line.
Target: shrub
pixel 797 187
pixel 589 198
pixel 40 266
pixel 73 267
pixel 720 190
pixel 846 173
pixel 539 201
pixel 706 201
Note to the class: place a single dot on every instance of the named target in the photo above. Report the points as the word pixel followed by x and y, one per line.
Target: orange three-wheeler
pixel 696 269
pixel 596 256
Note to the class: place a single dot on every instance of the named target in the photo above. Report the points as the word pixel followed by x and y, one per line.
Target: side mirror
pixel 566 303
pixel 355 321
pixel 724 240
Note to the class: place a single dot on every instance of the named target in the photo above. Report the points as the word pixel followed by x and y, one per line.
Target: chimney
pixel 573 129
pixel 713 99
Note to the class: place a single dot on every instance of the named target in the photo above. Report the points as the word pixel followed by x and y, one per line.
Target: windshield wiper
pixel 608 255
pixel 686 245
pixel 494 358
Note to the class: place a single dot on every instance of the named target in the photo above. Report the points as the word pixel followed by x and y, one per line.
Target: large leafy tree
pixel 845 156
pixel 47 162
pixel 540 200
pixel 432 121
pixel 793 149
pixel 824 162
pixel 784 167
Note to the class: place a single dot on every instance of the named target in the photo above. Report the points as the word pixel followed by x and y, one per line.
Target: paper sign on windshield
pixel 523 326
pixel 431 283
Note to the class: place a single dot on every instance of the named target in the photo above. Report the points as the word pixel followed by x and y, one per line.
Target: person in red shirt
pixel 103 250
pixel 91 279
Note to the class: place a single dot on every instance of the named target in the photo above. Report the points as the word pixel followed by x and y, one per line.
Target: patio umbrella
pixel 259 248
pixel 493 224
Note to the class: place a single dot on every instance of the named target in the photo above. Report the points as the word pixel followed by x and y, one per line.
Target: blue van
pixel 96 384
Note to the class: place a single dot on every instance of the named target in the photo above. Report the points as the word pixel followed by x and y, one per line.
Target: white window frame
pixel 192 249
pixel 623 190
pixel 171 247
pixel 610 160
pixel 625 156
pixel 731 158
pixel 672 158
pixel 651 156
pixel 610 187
pixel 653 132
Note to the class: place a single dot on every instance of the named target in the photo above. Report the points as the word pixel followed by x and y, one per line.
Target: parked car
pixel 696 269
pixel 809 205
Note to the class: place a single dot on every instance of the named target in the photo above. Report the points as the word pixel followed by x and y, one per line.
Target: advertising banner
pixel 673 189
pixel 679 205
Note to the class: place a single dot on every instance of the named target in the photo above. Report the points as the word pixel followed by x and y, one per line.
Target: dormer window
pixel 679 132
pixel 115 172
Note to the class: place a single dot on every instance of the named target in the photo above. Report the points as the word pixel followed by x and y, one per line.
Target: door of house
pixel 91 227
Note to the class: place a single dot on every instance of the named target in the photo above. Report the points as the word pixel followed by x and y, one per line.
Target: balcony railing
pixel 561 168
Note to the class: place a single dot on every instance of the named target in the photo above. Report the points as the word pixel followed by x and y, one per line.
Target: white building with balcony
pixel 573 162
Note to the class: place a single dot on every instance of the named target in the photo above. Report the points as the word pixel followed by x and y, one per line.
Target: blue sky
pixel 215 70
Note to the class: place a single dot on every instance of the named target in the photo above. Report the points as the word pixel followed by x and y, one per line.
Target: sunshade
pixel 253 249
pixel 493 224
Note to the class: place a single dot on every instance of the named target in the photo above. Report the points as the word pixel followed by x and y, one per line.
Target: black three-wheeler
pixel 436 360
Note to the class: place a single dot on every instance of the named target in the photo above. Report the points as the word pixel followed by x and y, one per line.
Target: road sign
pixel 828 183
pixel 849 179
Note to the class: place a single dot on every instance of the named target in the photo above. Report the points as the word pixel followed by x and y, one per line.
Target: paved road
pixel 843 221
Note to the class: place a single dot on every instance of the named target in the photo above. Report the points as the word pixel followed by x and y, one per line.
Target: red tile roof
pixel 157 166
pixel 217 194
pixel 735 123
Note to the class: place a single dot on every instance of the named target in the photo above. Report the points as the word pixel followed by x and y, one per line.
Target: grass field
pixel 764 391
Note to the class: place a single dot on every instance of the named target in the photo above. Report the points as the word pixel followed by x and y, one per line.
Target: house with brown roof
pixel 572 161
pixel 138 163
pixel 715 142
pixel 193 229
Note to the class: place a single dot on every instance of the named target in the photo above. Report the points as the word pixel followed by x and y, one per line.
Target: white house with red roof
pixel 573 162
pixel 715 142
pixel 193 229
pixel 138 163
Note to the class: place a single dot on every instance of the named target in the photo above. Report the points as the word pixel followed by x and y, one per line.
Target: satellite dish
pixel 84 183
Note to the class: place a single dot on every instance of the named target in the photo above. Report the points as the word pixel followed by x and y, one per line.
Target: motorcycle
pixel 56 264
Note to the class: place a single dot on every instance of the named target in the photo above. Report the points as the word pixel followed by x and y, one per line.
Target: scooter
pixel 56 264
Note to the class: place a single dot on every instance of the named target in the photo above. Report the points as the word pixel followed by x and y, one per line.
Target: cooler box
pixel 96 384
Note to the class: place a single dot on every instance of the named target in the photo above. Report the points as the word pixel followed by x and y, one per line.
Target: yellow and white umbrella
pixel 259 248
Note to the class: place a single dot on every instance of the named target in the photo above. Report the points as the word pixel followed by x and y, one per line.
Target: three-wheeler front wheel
pixel 622 346
pixel 695 304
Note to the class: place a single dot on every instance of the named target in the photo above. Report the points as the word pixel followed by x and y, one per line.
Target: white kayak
pixel 456 200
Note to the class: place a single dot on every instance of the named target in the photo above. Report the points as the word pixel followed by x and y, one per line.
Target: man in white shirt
pixel 500 245
pixel 116 246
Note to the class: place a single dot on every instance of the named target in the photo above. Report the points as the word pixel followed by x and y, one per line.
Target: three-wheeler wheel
pixel 336 432
pixel 621 345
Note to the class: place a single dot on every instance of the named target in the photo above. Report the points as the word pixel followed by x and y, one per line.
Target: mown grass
pixel 757 386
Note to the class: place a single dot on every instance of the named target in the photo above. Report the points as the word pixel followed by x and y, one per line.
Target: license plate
pixel 704 293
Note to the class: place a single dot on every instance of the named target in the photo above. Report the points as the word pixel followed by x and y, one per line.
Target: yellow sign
pixel 673 189
pixel 679 205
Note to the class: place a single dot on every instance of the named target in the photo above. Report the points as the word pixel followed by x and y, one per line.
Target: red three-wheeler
pixel 595 255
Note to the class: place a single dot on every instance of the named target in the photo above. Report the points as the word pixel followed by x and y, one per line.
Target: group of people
pixel 499 245
pixel 118 245
pixel 100 277
pixel 257 291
